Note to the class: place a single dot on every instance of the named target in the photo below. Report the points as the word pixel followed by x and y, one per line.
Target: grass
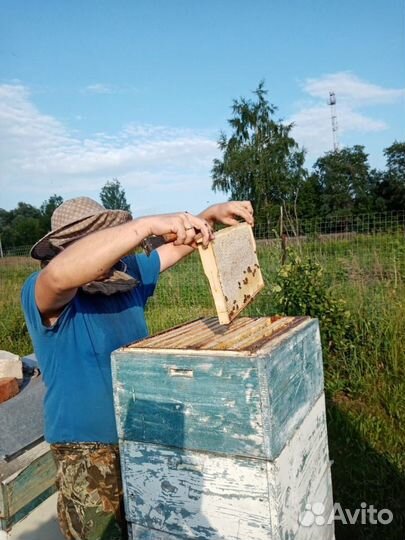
pixel 365 386
pixel 13 331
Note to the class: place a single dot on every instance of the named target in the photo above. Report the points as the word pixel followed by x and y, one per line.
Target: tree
pixel 112 196
pixel 309 198
pixel 390 193
pixel 395 155
pixel 25 224
pixel 261 162
pixel 21 226
pixel 390 185
pixel 25 210
pixel 344 180
pixel 26 230
pixel 48 207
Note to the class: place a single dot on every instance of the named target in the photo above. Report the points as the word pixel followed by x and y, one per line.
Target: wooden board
pixel 245 335
pixel 196 495
pixel 171 493
pixel 233 271
pixel 238 403
pixel 222 430
pixel 25 482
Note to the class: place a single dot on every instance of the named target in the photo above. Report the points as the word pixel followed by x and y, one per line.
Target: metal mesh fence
pixel 336 227
pixel 366 250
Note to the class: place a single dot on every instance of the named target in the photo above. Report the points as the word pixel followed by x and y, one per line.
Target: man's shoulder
pixel 28 287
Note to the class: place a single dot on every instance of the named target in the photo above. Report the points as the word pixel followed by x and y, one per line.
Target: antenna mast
pixel 332 103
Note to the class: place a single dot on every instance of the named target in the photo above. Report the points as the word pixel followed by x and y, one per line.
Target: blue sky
pixel 139 90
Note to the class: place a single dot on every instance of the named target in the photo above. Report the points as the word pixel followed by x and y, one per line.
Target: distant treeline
pixel 263 163
pixel 343 184
pixel 340 185
pixel 26 224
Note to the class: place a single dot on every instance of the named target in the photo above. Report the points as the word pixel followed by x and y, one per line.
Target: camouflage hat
pixel 74 219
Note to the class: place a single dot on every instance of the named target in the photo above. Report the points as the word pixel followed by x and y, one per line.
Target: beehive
pixel 25 482
pixel 222 430
pixel 27 468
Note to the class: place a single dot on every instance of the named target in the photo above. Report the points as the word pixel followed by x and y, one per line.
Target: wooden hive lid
pixel 244 335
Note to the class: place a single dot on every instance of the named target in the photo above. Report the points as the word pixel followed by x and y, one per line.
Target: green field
pixel 364 369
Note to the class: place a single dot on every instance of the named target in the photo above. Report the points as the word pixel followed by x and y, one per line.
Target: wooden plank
pixel 30 482
pixel 136 532
pixel 262 328
pixel 190 337
pixel 171 334
pixel 300 476
pixel 186 401
pixel 173 493
pixel 233 271
pixel 235 404
pixel 291 380
pixel 195 426
pixel 7 524
pixel 243 334
pixel 195 495
pixel 188 352
pixel 24 480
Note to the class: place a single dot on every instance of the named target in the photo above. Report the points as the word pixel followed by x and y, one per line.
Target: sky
pixel 139 90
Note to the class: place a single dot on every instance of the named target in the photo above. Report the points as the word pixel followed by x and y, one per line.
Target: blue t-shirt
pixel 74 354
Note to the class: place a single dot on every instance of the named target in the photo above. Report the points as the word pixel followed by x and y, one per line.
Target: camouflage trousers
pixel 90 501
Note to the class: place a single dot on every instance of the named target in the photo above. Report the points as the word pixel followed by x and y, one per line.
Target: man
pixel 88 300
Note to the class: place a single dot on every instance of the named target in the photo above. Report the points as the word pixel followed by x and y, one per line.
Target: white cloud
pixel 350 88
pixel 99 88
pixel 312 119
pixel 41 156
pixel 312 126
pixel 104 88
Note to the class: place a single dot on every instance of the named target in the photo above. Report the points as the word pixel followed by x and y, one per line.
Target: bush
pixel 301 288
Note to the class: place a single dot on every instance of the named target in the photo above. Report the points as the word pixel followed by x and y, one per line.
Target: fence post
pixel 283 237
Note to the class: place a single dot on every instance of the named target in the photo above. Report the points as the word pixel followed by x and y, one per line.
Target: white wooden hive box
pixel 222 430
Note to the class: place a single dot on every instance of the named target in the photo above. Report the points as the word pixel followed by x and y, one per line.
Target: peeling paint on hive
pixel 233 451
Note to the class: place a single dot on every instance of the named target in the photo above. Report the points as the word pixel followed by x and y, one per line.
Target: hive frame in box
pixel 233 271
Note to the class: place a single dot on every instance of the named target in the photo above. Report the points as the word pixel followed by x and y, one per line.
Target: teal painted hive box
pixel 222 431
pixel 27 468
pixel 25 482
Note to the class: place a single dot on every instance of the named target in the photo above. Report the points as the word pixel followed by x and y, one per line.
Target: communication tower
pixel 332 103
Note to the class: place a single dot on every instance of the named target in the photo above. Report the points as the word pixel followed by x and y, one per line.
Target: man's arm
pixel 225 213
pixel 92 257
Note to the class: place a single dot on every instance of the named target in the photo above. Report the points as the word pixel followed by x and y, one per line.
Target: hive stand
pixel 222 431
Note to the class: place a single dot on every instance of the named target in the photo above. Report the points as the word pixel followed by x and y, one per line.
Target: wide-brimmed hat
pixel 74 219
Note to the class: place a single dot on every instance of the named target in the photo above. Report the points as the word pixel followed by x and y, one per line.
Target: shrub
pixel 301 288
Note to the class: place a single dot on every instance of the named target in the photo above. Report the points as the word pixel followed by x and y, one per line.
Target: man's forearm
pixel 91 257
